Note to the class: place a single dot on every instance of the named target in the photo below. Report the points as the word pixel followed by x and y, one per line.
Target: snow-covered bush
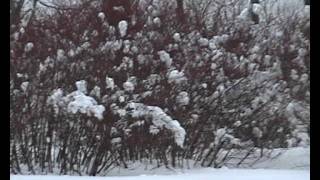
pixel 231 85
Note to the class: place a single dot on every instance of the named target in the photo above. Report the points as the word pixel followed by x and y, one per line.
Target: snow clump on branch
pixel 159 119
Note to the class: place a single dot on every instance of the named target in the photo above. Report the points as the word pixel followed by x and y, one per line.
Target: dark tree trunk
pixel 306 2
pixel 180 11
pixel 15 11
pixel 117 10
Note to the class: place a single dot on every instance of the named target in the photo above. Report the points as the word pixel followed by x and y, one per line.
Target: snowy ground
pixel 200 174
pixel 293 158
pixel 291 164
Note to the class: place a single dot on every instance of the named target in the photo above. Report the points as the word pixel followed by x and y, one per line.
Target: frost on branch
pixel 159 119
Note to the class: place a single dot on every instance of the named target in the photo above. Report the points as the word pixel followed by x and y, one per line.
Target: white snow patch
pixel 115 140
pixel 55 99
pixel 84 104
pixel 96 91
pixel 101 15
pixel 123 26
pixel 128 86
pixel 157 21
pixel 28 47
pixel 61 55
pixel 24 86
pixel 165 57
pixel 203 42
pixel 175 76
pixel 75 102
pixel 82 86
pixel 257 132
pixel 22 31
pixel 177 37
pixel 183 98
pixel 109 83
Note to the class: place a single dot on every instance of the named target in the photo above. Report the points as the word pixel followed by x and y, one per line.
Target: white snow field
pixel 200 174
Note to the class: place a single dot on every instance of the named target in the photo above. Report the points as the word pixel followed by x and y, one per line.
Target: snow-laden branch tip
pixel 76 102
pixel 159 119
pixel 123 26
